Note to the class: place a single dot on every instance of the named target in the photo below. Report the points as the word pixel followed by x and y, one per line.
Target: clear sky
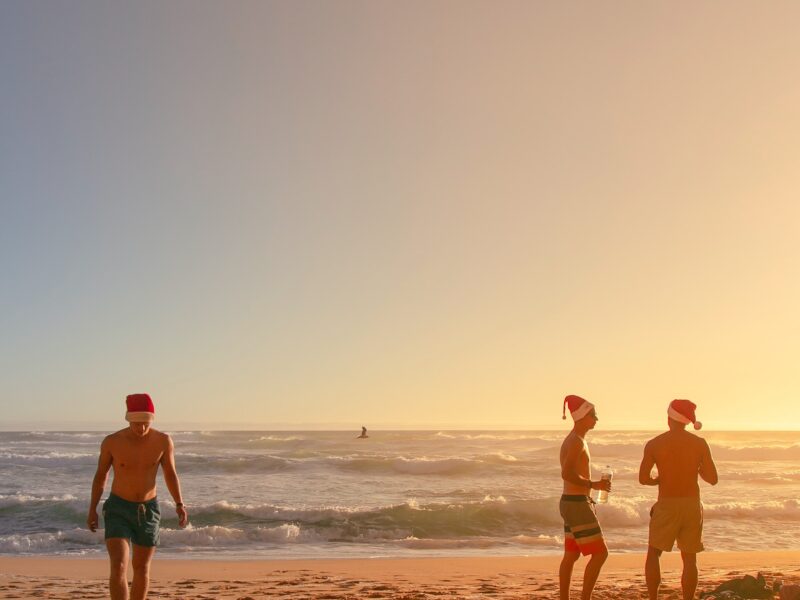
pixel 408 214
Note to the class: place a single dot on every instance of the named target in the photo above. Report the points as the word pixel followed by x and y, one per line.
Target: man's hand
pixel 183 516
pixel 91 520
pixel 601 484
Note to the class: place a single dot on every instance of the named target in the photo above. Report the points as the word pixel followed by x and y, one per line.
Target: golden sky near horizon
pixel 401 215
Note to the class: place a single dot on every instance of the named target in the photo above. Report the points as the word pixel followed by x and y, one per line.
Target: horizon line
pixel 322 428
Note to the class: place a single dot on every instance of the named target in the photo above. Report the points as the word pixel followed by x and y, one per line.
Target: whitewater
pixel 398 493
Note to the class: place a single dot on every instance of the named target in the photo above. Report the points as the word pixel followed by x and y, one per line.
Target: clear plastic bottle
pixel 606 475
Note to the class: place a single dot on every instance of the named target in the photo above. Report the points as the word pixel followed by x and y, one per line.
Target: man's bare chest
pixel 137 459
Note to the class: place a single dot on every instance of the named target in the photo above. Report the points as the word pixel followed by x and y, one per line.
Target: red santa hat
pixel 140 409
pixel 578 407
pixel 682 411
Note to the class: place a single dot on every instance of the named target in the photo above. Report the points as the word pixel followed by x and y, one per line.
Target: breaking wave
pixel 387 465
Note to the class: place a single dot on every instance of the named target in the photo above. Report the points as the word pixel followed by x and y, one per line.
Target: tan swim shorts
pixel 678 519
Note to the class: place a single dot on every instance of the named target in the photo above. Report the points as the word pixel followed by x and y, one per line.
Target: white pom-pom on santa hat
pixel 682 411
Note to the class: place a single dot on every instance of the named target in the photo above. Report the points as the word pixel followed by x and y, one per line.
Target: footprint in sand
pixel 488 589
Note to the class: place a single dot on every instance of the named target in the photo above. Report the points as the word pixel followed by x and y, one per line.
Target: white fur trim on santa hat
pixel 139 417
pixel 583 410
pixel 675 415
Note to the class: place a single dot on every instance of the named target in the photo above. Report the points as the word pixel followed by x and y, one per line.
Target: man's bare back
pixel 680 457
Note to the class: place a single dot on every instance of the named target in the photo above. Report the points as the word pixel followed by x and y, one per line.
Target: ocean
pixel 254 494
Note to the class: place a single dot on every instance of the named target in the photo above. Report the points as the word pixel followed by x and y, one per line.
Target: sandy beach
pixel 502 578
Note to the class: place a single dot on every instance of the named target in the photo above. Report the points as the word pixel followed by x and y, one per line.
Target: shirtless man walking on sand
pixel 680 457
pixel 131 512
pixel 582 534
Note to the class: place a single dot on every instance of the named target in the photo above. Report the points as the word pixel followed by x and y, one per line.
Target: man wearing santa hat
pixel 582 533
pixel 131 513
pixel 680 457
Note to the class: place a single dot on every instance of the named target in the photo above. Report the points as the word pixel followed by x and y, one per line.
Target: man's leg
pixel 142 555
pixel 689 576
pixel 592 571
pixel 118 553
pixel 565 573
pixel 652 572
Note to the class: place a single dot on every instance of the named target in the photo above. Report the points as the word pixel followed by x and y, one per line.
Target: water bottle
pixel 606 475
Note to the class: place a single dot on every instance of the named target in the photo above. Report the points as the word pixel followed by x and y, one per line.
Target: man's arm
pixel 646 468
pixel 708 470
pixel 99 483
pixel 173 483
pixel 569 470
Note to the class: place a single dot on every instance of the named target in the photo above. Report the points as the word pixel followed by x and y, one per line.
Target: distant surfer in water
pixel 363 433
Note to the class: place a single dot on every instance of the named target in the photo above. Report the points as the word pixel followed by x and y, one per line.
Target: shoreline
pixel 505 578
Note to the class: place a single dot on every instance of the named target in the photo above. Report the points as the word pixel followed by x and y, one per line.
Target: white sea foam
pixel 67 435
pixel 449 544
pixel 499 499
pixel 36 543
pixel 276 438
pixel 538 540
pixel 783 510
pixel 625 512
pixel 45 456
pixel 7 500
pixel 216 535
pixel 549 542
pixel 499 457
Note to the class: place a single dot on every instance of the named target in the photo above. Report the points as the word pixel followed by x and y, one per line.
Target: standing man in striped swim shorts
pixel 131 512
pixel 582 533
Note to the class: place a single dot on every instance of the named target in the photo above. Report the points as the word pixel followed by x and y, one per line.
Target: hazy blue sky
pixel 410 214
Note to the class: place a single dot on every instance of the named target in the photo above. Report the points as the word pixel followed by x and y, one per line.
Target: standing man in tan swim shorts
pixel 582 533
pixel 131 512
pixel 680 457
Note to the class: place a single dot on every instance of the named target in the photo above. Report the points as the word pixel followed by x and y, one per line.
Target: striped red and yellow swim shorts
pixel 582 532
